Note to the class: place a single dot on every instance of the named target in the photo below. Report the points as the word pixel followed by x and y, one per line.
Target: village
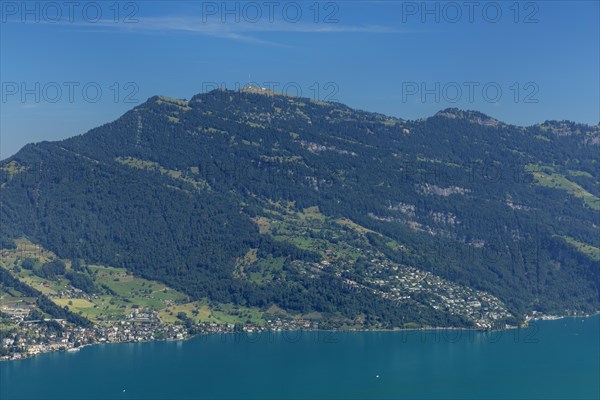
pixel 42 336
pixel 401 283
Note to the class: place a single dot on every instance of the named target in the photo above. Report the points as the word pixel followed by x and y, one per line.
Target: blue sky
pixel 66 70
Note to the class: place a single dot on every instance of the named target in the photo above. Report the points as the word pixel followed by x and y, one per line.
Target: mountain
pixel 261 200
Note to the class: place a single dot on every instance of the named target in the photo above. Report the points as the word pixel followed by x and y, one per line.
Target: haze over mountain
pixel 260 199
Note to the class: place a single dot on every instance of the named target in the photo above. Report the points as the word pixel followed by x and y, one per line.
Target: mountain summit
pixel 471 116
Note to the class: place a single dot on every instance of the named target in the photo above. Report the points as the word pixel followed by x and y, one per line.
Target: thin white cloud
pixel 196 24
pixel 238 31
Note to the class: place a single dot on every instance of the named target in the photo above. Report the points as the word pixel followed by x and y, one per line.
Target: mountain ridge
pixel 555 126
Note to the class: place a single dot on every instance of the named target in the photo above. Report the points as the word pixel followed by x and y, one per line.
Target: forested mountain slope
pixel 258 198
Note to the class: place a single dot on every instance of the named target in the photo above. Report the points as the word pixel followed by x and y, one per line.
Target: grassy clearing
pixel 169 314
pixel 137 290
pixel 281 159
pixel 46 286
pixel 298 227
pixel 355 226
pixel 243 262
pixel 129 291
pixel 311 214
pixel 201 311
pixel 544 176
pixel 179 103
pixel 8 300
pixel 264 271
pixel 301 242
pixel 263 224
pixel 13 168
pixel 392 122
pixel 589 250
pixel 74 303
pixel 539 168
pixel 154 166
pixel 229 313
pixel 580 173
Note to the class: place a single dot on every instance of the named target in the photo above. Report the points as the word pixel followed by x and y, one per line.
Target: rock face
pixel 260 199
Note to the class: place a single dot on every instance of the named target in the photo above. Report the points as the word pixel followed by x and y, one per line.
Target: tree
pixel 76 265
pixel 51 270
pixel 28 263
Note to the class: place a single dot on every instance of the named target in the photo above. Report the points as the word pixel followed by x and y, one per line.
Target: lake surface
pixel 550 360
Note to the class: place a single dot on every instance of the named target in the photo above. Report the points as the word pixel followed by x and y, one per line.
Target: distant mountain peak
pixel 246 93
pixel 475 117
pixel 248 89
pixel 259 90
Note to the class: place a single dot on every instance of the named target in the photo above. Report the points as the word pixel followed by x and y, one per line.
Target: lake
pixel 549 360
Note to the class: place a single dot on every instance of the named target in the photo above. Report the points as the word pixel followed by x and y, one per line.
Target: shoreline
pixel 271 332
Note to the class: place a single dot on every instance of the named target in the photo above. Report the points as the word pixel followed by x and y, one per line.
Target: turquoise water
pixel 553 359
